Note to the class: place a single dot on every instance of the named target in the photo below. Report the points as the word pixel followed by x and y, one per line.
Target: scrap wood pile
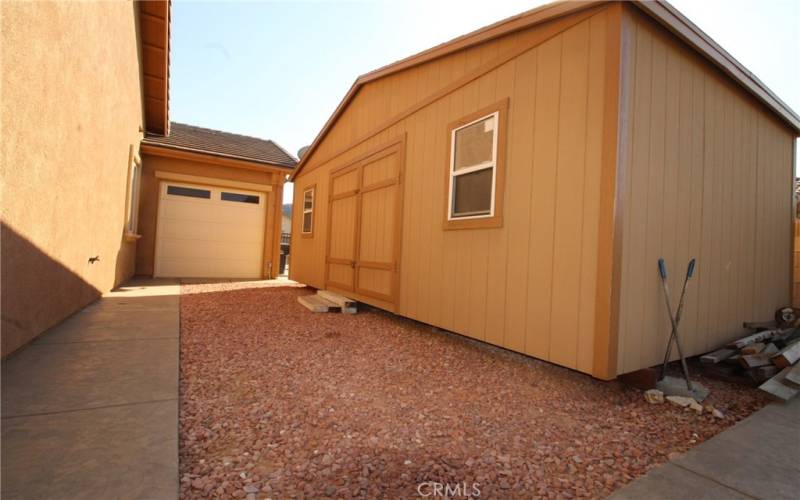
pixel 768 356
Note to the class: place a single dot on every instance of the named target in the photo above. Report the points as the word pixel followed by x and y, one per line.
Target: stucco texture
pixel 71 109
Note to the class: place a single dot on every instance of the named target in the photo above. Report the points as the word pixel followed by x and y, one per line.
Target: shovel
pixel 669 385
pixel 662 270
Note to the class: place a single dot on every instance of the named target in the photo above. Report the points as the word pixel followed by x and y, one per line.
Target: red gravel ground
pixel 279 402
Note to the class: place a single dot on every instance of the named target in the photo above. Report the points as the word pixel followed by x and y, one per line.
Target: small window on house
pixel 190 192
pixel 475 170
pixel 132 195
pixel 241 198
pixel 308 211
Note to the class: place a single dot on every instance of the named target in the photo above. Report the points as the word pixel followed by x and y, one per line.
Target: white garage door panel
pixel 209 237
pixel 187 268
pixel 180 249
pixel 198 230
pixel 223 211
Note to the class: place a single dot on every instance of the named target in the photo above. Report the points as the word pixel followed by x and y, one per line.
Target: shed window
pixel 132 208
pixel 308 211
pixel 475 170
pixel 473 161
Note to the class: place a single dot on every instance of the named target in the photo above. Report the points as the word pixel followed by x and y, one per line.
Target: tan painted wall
pixel 707 173
pixel 529 286
pixel 148 205
pixel 796 280
pixel 71 108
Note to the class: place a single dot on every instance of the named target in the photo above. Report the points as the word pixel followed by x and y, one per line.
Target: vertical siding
pixel 529 285
pixel 590 218
pixel 708 175
pixel 568 214
pixel 796 276
pixel 308 253
pixel 543 191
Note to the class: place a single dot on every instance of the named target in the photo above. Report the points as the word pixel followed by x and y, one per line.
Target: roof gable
pixel 660 10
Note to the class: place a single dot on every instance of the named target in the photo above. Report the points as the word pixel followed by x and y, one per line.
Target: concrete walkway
pixel 90 408
pixel 757 458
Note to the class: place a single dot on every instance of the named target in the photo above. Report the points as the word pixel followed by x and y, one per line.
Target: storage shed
pixel 518 184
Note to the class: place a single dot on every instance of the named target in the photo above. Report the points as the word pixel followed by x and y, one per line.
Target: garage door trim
pixel 211 181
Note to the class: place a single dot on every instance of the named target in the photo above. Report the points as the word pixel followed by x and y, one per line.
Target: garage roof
pixel 214 142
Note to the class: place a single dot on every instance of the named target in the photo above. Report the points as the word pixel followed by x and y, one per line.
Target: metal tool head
pixel 690 269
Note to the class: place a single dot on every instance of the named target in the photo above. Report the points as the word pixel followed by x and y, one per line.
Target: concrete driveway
pixel 756 458
pixel 90 408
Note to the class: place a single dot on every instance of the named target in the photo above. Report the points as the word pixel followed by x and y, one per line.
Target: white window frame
pixel 132 206
pixel 308 210
pixel 474 168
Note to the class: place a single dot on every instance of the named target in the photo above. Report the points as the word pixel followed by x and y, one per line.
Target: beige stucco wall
pixel 71 108
pixel 148 204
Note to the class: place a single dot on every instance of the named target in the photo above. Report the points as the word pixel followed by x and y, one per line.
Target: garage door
pixel 209 232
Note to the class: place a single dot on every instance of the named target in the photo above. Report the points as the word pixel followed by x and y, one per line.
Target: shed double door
pixel 365 211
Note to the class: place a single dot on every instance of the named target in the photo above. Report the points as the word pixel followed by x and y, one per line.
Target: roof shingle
pixel 214 142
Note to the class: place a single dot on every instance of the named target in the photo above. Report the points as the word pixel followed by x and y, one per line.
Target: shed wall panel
pixel 529 285
pixel 708 175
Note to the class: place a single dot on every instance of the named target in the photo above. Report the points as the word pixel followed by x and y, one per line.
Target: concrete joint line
pixel 104 341
pixel 714 480
pixel 42 414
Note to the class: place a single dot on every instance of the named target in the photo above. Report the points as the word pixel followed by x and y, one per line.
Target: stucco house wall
pixel 71 109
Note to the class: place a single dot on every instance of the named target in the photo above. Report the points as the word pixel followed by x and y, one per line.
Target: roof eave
pixel 503 27
pixel 660 10
pixel 154 28
pixel 668 16
pixel 155 147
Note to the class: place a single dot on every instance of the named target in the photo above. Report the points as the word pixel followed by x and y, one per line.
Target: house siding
pixel 708 175
pixel 71 110
pixel 530 285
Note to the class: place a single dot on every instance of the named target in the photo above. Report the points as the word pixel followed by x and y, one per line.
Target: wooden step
pixel 334 297
pixel 315 303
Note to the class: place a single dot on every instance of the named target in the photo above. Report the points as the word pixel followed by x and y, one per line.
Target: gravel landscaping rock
pixel 654 396
pixel 280 402
pixel 681 401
